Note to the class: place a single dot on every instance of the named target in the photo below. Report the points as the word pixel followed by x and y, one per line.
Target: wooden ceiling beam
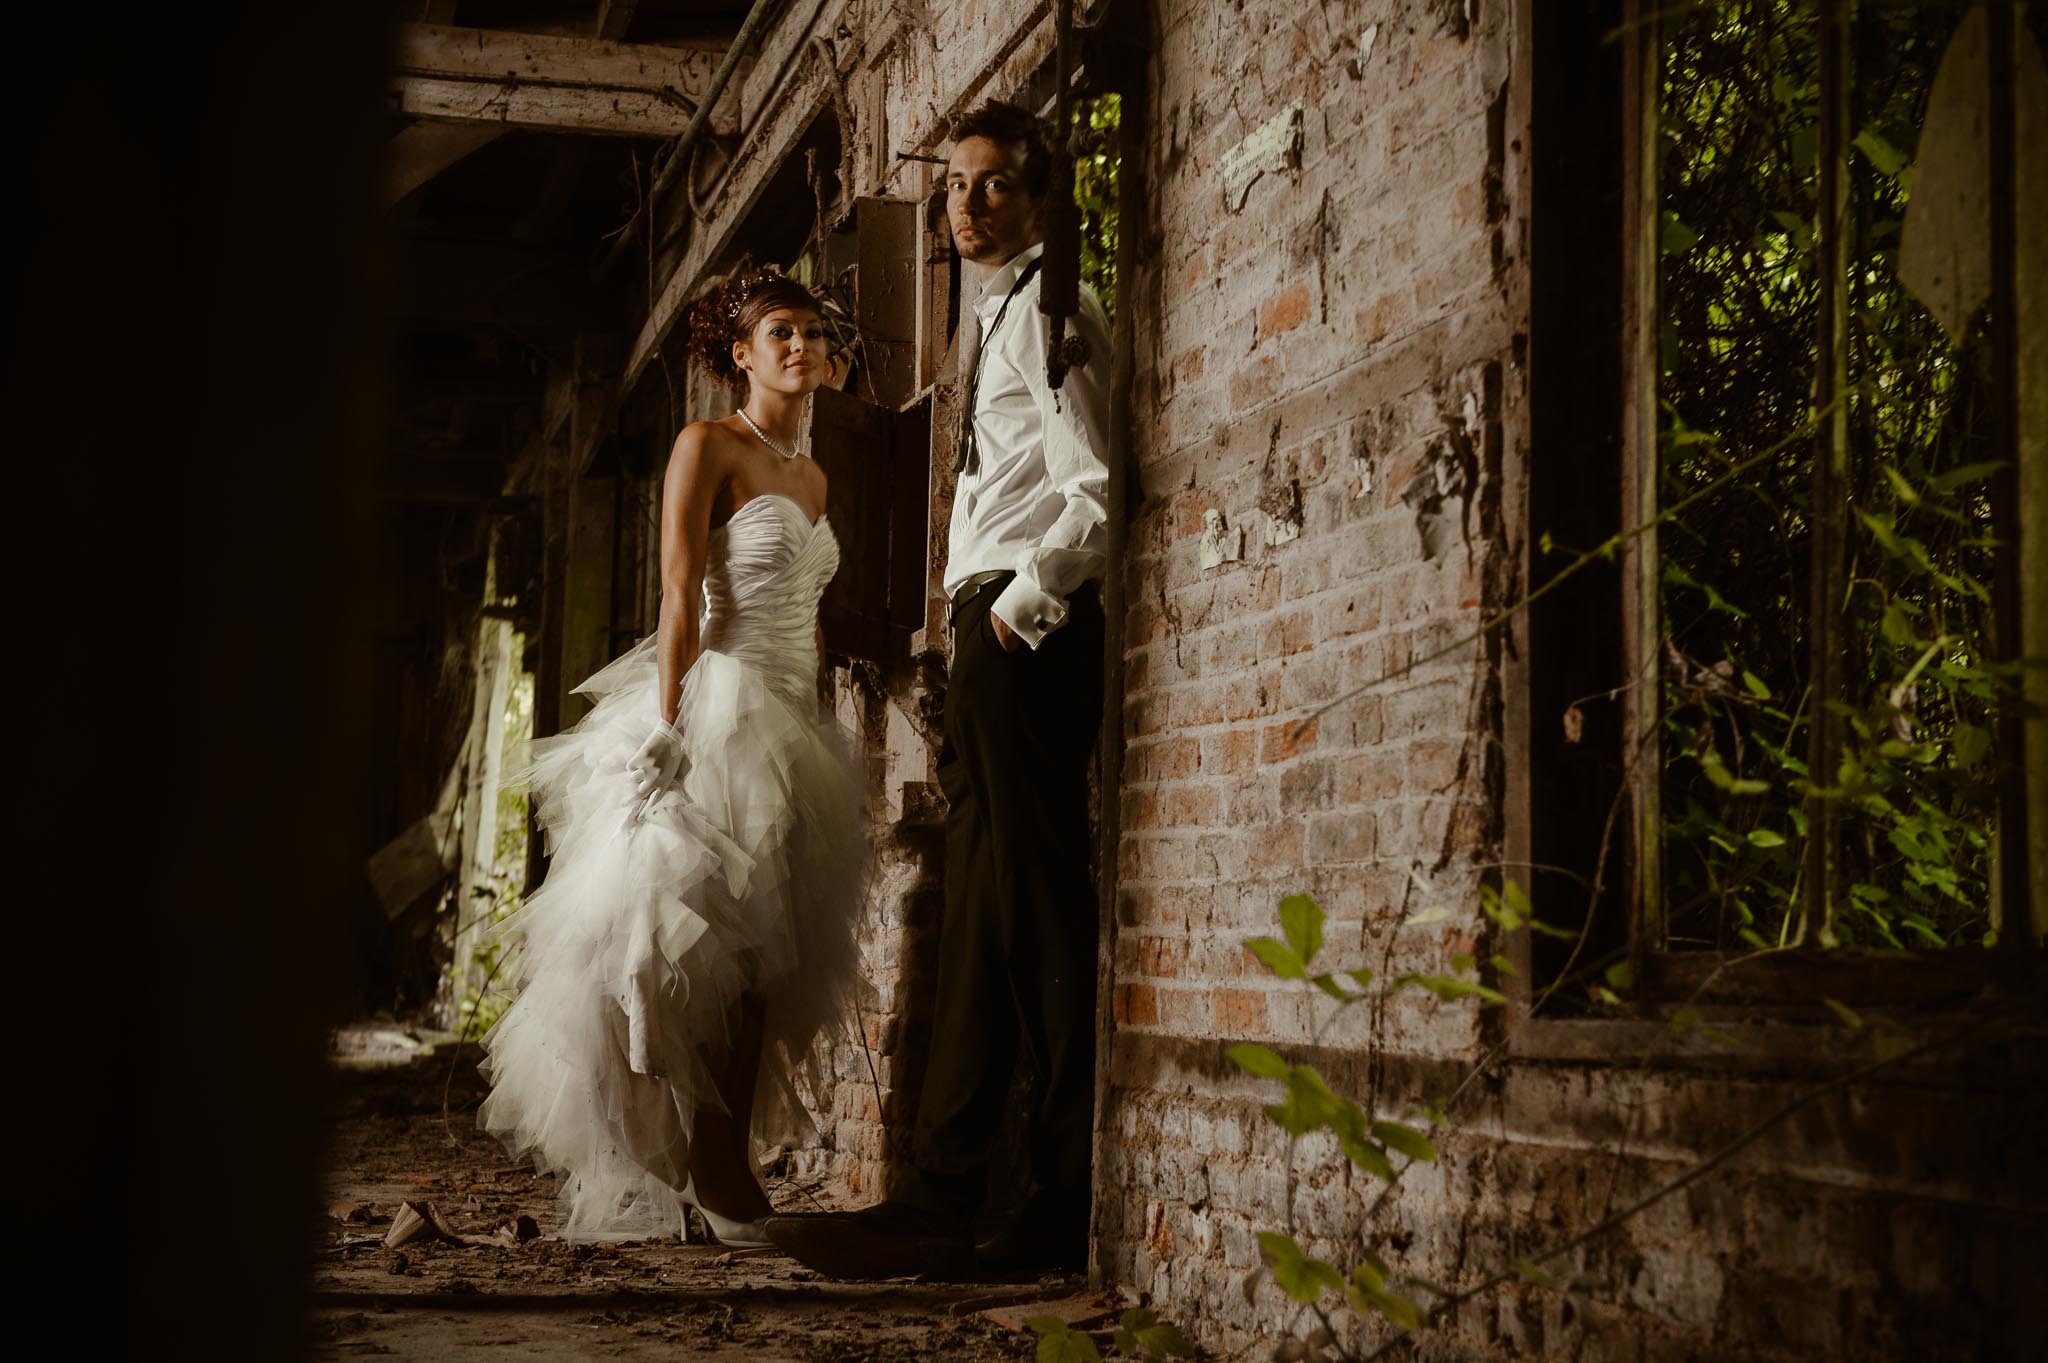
pixel 547 81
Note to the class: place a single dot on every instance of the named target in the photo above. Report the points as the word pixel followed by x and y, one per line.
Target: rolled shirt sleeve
pixel 1074 422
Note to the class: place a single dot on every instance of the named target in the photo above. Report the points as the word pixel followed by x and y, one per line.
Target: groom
pixel 1017 946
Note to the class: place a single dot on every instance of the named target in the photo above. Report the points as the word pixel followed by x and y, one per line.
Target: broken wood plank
pixel 1076 1312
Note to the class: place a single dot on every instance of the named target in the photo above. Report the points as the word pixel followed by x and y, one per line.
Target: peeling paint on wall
pixel 1220 542
pixel 1274 146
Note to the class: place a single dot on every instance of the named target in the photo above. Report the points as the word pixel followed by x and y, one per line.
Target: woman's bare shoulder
pixel 702 448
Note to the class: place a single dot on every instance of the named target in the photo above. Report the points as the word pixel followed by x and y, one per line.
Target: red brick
pixel 1161 958
pixel 1284 311
pixel 1186 1009
pixel 1136 1004
pixel 1229 753
pixel 1190 806
pixel 1276 847
pixel 1292 633
pixel 1239 1012
pixel 1277 742
pixel 1258 381
pixel 1347 837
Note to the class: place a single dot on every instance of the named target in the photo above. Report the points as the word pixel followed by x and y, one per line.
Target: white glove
pixel 658 763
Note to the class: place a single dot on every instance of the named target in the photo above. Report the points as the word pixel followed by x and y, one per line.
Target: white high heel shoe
pixel 731 1234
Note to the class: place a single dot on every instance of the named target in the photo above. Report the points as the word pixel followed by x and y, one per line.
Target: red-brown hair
pixel 730 313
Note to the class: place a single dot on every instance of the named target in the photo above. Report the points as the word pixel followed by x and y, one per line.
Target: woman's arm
pixel 687 492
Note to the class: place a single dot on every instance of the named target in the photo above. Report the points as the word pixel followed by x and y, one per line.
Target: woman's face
pixel 786 353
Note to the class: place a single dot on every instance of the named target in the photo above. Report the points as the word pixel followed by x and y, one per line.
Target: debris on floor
pixel 439 1247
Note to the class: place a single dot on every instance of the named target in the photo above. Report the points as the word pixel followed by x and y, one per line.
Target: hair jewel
pixel 745 287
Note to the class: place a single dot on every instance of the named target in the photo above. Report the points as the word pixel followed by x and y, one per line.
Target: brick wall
pixel 1329 421
pixel 1330 424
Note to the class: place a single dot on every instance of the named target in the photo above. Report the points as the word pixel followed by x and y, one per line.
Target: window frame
pixel 1769 987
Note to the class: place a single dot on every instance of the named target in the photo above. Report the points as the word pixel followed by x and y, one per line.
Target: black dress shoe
pixel 1029 1245
pixel 878 1242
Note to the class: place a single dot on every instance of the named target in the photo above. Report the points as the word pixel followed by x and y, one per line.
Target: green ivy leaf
pixel 1399 1311
pixel 1764 837
pixel 1059 1342
pixel 1407 1140
pixel 1301 918
pixel 1163 1341
pixel 1756 685
pixel 1277 957
pixel 1888 159
pixel 1965 473
pixel 1901 488
pixel 1896 626
pixel 1685 1020
pixel 1677 238
pixel 1362 976
pixel 1504 965
pixel 1450 988
pixel 1256 1059
pixel 1367 1156
pixel 1463 961
pixel 1298 1275
pixel 1328 984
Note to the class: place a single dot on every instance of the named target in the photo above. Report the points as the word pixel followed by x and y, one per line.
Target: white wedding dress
pixel 746 876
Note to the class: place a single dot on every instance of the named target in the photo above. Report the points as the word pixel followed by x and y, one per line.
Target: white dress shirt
pixel 1039 506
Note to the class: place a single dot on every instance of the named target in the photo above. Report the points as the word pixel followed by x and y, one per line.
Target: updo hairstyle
pixel 730 313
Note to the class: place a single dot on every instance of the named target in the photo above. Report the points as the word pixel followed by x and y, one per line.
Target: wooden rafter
pixel 546 81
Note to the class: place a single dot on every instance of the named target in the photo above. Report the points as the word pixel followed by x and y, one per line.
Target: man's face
pixel 991 216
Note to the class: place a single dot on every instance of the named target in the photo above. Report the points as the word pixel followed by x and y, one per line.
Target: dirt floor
pixel 438 1299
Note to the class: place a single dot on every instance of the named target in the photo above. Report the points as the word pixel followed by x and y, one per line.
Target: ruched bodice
pixel 768 568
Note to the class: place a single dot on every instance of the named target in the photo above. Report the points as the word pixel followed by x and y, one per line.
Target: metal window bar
pixel 1832 251
pixel 2010 909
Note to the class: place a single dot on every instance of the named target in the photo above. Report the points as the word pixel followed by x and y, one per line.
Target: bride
pixel 695 931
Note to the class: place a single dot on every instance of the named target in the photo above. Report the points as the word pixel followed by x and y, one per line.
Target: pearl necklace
pixel 786 454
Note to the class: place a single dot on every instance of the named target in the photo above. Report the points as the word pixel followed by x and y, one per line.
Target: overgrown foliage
pixel 1367 1306
pixel 1740 293
pixel 1093 141
pixel 500 893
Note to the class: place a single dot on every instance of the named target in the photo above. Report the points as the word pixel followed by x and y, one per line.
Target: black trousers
pixel 1017 945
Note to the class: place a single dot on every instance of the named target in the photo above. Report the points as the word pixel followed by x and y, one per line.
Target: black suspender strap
pixel 969 459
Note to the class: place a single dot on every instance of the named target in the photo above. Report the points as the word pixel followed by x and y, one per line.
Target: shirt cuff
pixel 1030 613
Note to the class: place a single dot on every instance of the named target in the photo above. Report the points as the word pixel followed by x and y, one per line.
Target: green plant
pixel 1383 1148
pixel 1093 142
pixel 1376 1286
pixel 1139 1334
pixel 1740 293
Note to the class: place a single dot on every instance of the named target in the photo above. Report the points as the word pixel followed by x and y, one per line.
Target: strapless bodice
pixel 767 570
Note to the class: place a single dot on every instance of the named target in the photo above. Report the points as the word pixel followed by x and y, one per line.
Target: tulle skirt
pixel 633 955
